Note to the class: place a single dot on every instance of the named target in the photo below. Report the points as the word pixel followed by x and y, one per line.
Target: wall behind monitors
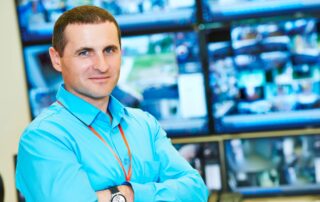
pixel 266 77
pixel 271 166
pixel 226 10
pixel 36 17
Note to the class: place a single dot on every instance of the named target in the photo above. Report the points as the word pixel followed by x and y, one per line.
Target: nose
pixel 101 62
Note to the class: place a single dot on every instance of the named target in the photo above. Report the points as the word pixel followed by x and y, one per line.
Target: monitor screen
pixel 160 73
pixel 226 10
pixel 36 17
pixel 267 77
pixel 164 73
pixel 274 165
pixel 42 79
pixel 204 157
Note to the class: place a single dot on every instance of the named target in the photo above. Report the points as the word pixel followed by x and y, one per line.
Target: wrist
pixel 127 190
pixel 104 195
pixel 117 195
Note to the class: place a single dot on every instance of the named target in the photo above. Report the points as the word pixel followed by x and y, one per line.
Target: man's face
pixel 91 60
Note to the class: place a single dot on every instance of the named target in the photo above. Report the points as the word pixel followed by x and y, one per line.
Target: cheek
pixel 116 59
pixel 115 64
pixel 75 69
pixel 83 63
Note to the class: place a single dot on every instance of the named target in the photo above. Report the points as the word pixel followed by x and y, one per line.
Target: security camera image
pixel 204 157
pixel 226 10
pixel 42 79
pixel 37 17
pixel 160 73
pixel 267 77
pixel 277 165
pixel 163 73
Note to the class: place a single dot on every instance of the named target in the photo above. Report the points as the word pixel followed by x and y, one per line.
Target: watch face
pixel 118 198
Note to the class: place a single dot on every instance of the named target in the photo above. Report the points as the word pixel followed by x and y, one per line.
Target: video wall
pixel 248 74
pixel 257 76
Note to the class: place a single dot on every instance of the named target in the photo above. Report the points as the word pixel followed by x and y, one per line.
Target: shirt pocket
pixel 151 171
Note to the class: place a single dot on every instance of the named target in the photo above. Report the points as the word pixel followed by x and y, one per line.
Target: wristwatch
pixel 116 195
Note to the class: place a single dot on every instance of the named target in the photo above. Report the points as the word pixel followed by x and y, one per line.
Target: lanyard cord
pixel 127 175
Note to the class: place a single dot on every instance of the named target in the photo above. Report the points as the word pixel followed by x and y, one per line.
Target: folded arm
pixel 177 181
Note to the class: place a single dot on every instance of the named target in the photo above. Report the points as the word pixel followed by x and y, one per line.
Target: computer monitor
pixel 266 78
pixel 36 17
pixel 43 80
pixel 164 73
pixel 160 73
pixel 273 165
pixel 204 157
pixel 231 10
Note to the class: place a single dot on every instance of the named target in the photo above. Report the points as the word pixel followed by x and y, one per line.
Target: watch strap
pixel 127 184
pixel 115 194
pixel 114 190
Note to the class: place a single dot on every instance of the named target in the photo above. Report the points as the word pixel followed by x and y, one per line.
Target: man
pixel 87 146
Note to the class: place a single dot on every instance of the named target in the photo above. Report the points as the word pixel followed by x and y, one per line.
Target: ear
pixel 55 59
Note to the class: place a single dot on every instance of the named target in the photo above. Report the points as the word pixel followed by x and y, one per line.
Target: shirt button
pixel 126 160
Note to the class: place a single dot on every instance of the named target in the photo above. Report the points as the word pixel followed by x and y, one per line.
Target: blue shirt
pixel 61 160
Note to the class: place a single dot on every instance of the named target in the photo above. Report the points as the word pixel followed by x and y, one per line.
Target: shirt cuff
pixel 143 192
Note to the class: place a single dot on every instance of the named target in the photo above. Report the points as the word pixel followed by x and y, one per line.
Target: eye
pixel 111 49
pixel 83 53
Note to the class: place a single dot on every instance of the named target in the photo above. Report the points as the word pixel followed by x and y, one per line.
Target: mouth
pixel 99 78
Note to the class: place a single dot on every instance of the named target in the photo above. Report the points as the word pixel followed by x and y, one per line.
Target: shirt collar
pixel 116 109
pixel 85 111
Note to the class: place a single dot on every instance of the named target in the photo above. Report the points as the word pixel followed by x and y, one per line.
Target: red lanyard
pixel 127 175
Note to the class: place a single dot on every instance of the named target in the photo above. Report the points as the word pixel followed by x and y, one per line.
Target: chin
pixel 100 95
pixel 96 95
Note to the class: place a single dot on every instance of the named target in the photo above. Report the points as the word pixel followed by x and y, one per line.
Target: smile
pixel 99 79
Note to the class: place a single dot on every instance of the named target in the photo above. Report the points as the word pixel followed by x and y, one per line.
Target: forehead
pixel 91 34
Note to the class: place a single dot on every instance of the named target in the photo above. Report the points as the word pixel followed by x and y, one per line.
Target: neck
pixel 101 103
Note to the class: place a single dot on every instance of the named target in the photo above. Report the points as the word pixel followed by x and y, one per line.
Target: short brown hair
pixel 79 15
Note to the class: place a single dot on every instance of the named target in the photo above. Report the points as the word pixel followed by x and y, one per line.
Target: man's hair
pixel 79 15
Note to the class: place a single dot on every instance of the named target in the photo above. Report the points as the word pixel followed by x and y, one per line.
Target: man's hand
pixel 105 195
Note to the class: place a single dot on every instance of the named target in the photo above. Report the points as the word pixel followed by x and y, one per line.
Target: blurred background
pixel 235 83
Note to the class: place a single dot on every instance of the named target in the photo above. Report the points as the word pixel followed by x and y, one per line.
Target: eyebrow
pixel 111 46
